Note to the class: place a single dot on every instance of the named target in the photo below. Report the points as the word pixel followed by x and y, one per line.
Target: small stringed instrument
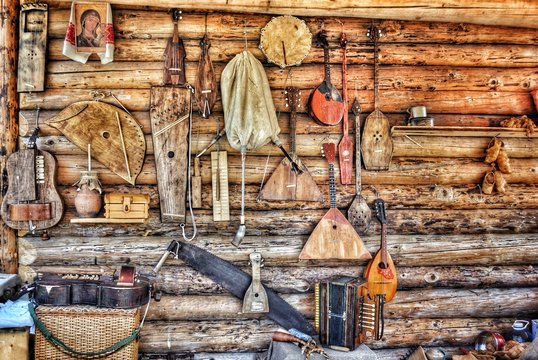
pixel 381 272
pixel 32 201
pixel 325 103
pixel 284 183
pixel 345 147
pixel 206 84
pixel 174 56
pixel 334 237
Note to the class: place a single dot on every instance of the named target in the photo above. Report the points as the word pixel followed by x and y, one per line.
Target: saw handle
pixel 294 167
pixel 172 249
pixel 284 337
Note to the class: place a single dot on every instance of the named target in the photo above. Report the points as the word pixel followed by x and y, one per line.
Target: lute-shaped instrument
pixel 284 183
pixel 345 147
pixel 206 84
pixel 32 201
pixel 174 56
pixel 381 272
pixel 334 237
pixel 325 103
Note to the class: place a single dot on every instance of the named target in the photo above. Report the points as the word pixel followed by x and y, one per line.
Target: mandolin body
pixel 382 280
pixel 27 200
pixel 326 105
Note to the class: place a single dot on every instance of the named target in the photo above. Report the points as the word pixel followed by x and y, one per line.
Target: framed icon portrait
pixel 90 27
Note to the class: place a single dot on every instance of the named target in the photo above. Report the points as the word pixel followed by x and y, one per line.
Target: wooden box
pixel 126 206
pixel 14 344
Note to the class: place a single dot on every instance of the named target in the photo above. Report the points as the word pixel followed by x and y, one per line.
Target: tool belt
pixel 95 290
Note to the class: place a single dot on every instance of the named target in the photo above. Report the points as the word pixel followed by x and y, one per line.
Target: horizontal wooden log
pixel 137 24
pixel 176 279
pixel 406 250
pixel 305 124
pixel 396 197
pixel 404 171
pixel 309 145
pixel 521 14
pixel 474 55
pixel 140 75
pixel 215 336
pixel 468 102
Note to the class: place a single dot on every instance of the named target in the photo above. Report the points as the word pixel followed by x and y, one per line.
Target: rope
pixel 89 354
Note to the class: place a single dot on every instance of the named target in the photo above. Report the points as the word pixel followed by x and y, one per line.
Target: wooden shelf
pixel 106 221
pixel 460 131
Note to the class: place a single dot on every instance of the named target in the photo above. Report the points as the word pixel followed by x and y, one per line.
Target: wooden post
pixel 9 127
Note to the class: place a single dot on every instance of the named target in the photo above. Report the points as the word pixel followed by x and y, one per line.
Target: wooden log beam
pixel 521 14
pixel 402 171
pixel 9 106
pixel 141 75
pixel 177 279
pixel 468 102
pixel 305 124
pixel 253 335
pixel 472 55
pixel 406 250
pixel 136 24
pixel 434 146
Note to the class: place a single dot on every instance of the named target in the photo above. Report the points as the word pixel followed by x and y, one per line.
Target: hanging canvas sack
pixel 249 114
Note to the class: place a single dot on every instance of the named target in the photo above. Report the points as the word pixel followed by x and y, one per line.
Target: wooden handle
pixel 281 336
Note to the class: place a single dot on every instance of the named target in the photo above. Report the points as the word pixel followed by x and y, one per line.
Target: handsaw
pixel 116 138
pixel 334 237
pixel 236 281
pixel 284 183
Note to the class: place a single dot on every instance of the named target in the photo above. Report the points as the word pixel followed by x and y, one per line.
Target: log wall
pixel 466 261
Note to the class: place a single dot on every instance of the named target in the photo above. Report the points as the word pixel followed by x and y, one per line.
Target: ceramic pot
pixel 87 202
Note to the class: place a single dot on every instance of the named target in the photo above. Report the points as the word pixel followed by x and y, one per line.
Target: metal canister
pixel 489 340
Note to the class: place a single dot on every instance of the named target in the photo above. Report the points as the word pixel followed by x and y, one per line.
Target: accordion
pixel 346 314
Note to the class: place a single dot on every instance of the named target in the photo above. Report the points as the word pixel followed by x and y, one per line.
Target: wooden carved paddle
pixel 284 183
pixel 376 140
pixel 334 237
pixel 325 103
pixel 381 272
pixel 345 148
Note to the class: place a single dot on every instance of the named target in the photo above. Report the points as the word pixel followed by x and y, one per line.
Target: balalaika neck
pixel 332 186
pixel 327 67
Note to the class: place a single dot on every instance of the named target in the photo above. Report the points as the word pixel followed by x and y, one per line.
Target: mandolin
pixel 325 103
pixel 381 272
pixel 334 237
pixel 31 201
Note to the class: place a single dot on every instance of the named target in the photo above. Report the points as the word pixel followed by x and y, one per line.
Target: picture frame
pixel 90 27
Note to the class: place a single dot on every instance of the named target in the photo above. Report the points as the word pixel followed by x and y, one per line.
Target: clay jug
pixel 88 201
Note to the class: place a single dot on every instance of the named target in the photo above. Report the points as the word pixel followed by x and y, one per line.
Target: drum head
pixel 285 41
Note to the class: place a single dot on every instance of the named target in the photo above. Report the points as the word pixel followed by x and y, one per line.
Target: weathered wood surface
pixel 406 250
pixel 470 102
pixel 179 279
pixel 170 104
pixel 140 75
pixel 396 197
pixel 404 171
pixel 523 13
pixel 245 335
pixel 9 106
pixel 305 125
pixel 136 24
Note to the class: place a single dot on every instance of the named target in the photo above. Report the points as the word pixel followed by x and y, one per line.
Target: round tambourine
pixel 285 41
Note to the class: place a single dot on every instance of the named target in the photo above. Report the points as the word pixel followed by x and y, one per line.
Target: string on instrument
pixel 189 188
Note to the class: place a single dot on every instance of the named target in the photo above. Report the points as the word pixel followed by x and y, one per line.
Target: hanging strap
pixel 90 354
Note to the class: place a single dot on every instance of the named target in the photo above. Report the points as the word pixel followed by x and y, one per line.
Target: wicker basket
pixel 86 329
